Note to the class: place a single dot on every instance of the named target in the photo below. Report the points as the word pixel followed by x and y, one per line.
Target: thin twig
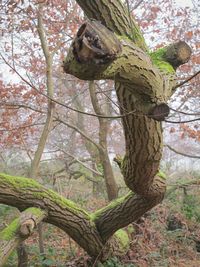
pixel 137 5
pixel 187 80
pixel 186 121
pixel 181 153
pixel 84 165
pixel 185 113
pixel 66 106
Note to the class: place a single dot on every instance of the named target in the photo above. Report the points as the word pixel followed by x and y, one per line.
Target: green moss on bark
pixel 19 182
pixel 138 38
pixel 158 59
pixel 123 239
pixel 10 231
pixel 40 192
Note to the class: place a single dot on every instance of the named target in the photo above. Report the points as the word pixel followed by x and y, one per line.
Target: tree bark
pixel 144 82
pixel 114 16
pixel 143 134
pixel 15 233
pixel 23 193
pixel 94 229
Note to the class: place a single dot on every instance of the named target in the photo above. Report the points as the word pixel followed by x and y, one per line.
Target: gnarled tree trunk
pixel 144 83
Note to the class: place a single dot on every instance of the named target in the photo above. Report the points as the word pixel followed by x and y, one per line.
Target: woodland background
pixel 58 145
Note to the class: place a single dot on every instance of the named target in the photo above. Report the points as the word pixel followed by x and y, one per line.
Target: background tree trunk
pixel 111 185
pixel 50 111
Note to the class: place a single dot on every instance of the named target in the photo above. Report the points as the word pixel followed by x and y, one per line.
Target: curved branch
pixel 94 229
pixel 181 153
pixel 185 121
pixel 125 210
pixel 24 193
pixel 79 131
pixel 93 56
pixel 19 105
pixel 187 80
pixel 185 113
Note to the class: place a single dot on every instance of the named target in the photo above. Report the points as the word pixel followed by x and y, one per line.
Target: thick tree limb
pixel 19 230
pixel 131 66
pixel 94 229
pixel 177 54
pixel 24 193
pixel 143 82
pixel 115 16
pixel 125 210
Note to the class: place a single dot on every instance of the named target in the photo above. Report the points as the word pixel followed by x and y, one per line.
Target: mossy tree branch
pixel 24 193
pixel 97 53
pixel 19 230
pixel 95 229
pixel 144 82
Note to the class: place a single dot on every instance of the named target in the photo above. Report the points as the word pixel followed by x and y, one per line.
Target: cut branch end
pixel 178 53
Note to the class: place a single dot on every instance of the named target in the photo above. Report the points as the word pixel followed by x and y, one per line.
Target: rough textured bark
pixel 94 229
pixel 143 134
pixel 144 83
pixel 23 193
pixel 114 16
pixel 20 229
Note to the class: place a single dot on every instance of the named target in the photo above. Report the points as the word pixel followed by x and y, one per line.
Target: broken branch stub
pixel 159 112
pixel 178 53
pixel 27 227
pixel 94 43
